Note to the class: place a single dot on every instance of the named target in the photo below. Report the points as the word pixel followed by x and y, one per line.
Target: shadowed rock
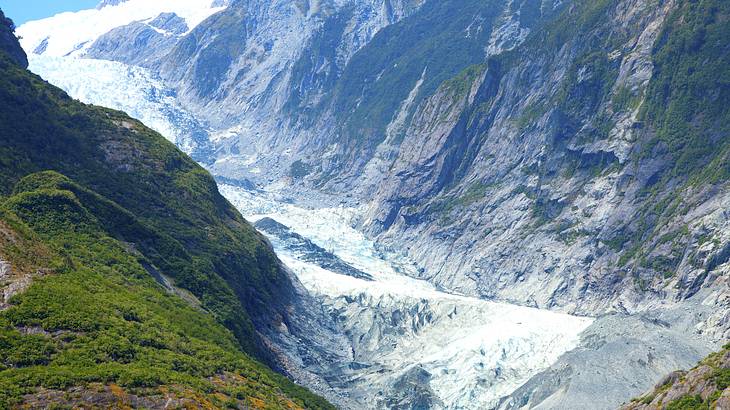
pixel 310 251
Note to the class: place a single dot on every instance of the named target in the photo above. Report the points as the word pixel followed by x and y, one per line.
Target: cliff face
pixel 567 172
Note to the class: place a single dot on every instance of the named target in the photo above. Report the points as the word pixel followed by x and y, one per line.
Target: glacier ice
pixel 131 89
pixel 476 351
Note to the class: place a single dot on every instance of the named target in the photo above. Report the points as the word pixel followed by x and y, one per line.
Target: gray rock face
pixel 309 251
pixel 506 220
pixel 141 42
pixel 502 191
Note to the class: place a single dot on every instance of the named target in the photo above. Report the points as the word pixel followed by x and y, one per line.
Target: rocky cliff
pixel 554 179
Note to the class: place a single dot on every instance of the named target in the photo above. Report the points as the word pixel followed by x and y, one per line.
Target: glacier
pixel 134 90
pixel 475 352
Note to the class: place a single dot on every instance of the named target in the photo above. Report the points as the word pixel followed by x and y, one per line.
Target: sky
pixel 25 10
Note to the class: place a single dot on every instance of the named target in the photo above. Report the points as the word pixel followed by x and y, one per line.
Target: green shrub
pixel 688 403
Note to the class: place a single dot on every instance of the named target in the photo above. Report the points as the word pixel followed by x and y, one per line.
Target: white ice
pixel 133 90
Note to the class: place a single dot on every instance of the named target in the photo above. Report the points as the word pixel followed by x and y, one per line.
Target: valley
pixel 479 204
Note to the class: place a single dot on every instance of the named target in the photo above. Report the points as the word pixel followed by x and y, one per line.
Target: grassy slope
pixel 194 235
pixel 121 203
pixel 99 316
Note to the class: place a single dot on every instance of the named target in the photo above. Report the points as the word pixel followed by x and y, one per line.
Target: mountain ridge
pixel 106 301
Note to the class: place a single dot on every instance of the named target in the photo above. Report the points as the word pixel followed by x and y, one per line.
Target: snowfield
pixel 71 33
pixel 476 351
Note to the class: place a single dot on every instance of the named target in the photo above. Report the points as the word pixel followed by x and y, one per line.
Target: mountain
pixel 481 134
pixel 564 155
pixel 484 134
pixel 127 279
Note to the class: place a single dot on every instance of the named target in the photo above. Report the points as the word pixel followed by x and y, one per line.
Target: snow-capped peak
pixel 71 33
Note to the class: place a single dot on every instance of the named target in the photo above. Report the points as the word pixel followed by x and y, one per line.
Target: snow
pixel 477 351
pixel 133 90
pixel 71 33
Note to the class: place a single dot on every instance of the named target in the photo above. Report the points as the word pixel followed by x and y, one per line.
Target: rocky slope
pixel 551 185
pixel 705 386
pixel 128 279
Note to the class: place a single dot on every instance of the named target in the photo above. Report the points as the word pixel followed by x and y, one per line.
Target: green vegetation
pixel 688 403
pixel 530 115
pixel 98 210
pixel 625 99
pixel 463 82
pixel 688 99
pixel 721 377
pixel 473 194
pixel 575 22
pixel 101 317
pixel 382 75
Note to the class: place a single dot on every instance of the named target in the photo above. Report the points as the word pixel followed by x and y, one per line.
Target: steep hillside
pixel 127 279
pixel 556 179
pixel 208 248
pixel 707 386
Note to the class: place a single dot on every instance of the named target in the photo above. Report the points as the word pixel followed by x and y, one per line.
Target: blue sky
pixel 24 10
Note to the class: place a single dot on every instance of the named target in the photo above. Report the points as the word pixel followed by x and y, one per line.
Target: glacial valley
pixel 482 204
